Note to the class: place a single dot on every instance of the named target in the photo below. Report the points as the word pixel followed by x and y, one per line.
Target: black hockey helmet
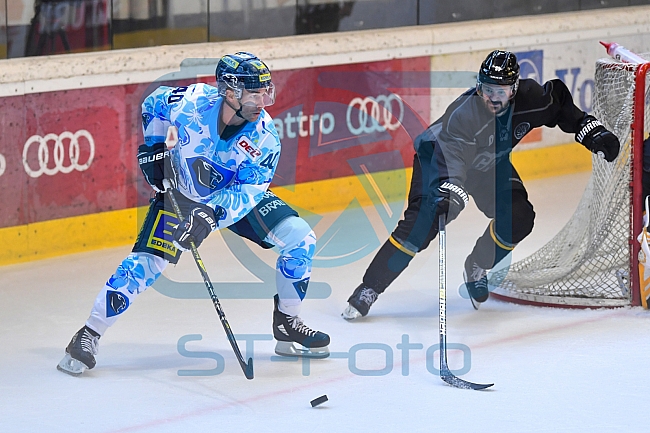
pixel 243 71
pixel 500 68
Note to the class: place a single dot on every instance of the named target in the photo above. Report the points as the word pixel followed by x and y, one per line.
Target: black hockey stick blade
pixel 248 368
pixel 457 382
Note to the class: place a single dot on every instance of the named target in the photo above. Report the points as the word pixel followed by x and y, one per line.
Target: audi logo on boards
pixel 375 114
pixel 74 152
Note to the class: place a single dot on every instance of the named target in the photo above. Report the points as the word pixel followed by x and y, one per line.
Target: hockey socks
pixel 489 250
pixel 389 262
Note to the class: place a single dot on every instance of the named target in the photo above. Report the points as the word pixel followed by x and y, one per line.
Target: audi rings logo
pixel 59 142
pixel 376 114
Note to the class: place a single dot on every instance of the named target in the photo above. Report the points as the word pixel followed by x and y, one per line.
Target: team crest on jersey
pixel 521 130
pixel 245 145
pixel 208 177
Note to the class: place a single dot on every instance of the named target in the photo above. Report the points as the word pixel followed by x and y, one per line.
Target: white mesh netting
pixel 587 263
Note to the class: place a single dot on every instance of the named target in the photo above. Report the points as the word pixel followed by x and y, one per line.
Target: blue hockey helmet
pixel 244 71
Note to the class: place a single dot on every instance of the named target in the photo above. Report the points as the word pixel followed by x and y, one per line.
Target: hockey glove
pixel 449 200
pixel 196 226
pixel 596 138
pixel 156 165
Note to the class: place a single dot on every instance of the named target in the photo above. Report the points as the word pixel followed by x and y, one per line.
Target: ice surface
pixel 554 370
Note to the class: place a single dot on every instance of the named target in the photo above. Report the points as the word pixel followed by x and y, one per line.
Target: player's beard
pixel 250 112
pixel 496 107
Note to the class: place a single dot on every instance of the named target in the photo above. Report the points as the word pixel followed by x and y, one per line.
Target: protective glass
pixel 262 97
pixel 497 92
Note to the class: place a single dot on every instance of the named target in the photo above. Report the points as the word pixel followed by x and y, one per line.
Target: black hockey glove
pixel 449 200
pixel 156 165
pixel 196 226
pixel 596 138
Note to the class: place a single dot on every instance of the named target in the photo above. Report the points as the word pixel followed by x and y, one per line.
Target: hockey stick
pixel 445 373
pixel 246 367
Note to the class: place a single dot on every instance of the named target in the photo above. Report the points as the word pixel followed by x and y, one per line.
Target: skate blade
pixel 350 313
pixel 71 366
pixel 287 348
pixel 463 291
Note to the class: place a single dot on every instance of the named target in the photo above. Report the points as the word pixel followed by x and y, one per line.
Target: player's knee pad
pixel 297 243
pixel 293 232
pixel 137 272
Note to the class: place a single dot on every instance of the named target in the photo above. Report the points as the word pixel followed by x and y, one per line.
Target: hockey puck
pixel 320 400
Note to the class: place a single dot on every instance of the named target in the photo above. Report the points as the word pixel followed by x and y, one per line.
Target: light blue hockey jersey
pixel 233 173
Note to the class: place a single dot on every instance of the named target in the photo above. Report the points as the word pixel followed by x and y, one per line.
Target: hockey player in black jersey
pixel 466 152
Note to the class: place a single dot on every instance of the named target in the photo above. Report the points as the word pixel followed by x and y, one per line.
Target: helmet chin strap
pixel 237 110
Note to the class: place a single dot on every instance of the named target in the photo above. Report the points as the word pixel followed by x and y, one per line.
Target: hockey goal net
pixel 592 262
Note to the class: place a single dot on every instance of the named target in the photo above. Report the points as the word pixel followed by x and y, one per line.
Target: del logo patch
pixel 245 145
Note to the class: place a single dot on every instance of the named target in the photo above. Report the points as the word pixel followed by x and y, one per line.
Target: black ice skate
pixel 290 329
pixel 359 303
pixel 476 282
pixel 80 353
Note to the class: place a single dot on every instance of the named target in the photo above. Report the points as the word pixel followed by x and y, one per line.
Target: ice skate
pixel 288 330
pixel 80 353
pixel 476 282
pixel 359 303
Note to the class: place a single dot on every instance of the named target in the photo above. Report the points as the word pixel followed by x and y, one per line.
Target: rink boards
pixel 348 109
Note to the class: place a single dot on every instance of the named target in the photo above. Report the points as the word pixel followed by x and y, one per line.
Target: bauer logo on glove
pixel 156 165
pixel 196 226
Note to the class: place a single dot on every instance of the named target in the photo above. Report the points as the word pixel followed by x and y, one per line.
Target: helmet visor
pixel 496 91
pixel 262 97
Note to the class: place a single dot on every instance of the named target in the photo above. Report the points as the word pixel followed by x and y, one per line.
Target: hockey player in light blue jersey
pixel 220 170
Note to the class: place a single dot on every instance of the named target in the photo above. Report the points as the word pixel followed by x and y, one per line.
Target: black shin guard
pixel 388 264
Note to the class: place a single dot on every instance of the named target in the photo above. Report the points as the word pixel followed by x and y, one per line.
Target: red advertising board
pixel 70 153
pixel 333 119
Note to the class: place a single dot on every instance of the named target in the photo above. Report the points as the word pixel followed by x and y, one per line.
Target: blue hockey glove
pixel 156 165
pixel 196 226
pixel 597 139
pixel 449 200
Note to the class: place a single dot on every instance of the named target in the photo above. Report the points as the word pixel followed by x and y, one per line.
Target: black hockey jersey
pixel 470 137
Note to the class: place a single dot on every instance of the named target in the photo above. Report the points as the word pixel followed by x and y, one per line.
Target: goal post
pixel 593 261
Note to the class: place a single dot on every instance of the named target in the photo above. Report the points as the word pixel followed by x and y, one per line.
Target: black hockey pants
pixel 499 193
